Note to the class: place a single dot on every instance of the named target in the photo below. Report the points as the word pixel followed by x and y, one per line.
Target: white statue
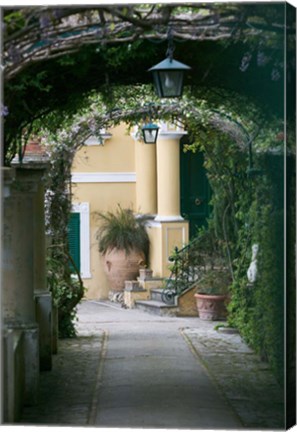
pixel 252 270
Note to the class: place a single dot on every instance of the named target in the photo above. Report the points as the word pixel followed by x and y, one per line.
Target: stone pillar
pixel 18 273
pixel 34 167
pixel 169 229
pixel 146 177
pixel 18 299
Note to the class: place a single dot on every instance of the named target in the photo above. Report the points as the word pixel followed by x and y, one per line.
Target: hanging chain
pixel 171 47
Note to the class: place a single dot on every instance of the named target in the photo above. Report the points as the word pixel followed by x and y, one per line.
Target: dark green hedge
pixel 258 310
pixel 249 209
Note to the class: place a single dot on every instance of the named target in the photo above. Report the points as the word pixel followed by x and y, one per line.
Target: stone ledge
pixel 130 296
pixel 133 286
pixel 150 284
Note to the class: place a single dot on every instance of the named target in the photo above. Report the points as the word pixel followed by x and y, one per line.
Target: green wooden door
pixel 195 190
pixel 74 239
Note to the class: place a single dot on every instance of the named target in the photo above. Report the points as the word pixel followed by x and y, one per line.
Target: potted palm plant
pixel 124 245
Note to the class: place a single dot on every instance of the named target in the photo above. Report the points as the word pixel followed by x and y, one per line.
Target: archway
pixel 33 88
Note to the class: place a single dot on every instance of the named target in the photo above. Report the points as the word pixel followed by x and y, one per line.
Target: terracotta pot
pixel 211 307
pixel 120 266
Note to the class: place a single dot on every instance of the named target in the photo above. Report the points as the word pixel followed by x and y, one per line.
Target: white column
pixel 168 175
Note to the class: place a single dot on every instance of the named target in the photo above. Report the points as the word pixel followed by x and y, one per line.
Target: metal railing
pixel 187 267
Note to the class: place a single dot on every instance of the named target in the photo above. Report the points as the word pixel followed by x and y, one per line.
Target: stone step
pixel 156 307
pixel 156 294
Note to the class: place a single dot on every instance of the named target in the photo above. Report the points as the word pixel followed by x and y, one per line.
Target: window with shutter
pixel 74 239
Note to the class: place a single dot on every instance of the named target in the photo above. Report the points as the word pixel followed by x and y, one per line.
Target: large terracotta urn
pixel 120 266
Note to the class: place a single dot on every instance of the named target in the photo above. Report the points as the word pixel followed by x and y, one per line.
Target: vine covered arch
pixel 55 58
pixel 202 122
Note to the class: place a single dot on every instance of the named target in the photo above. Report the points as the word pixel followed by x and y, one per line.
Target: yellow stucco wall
pixel 116 156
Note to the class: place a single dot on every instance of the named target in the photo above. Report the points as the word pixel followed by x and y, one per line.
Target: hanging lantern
pixel 150 133
pixel 168 75
pixel 169 78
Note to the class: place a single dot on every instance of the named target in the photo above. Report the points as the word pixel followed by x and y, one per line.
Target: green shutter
pixel 74 239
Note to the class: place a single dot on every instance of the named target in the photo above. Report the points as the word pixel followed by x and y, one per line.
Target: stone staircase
pixel 146 294
pixel 156 305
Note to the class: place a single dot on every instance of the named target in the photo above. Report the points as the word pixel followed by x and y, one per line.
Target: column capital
pixel 38 165
pixel 172 135
pixel 171 131
pixel 28 176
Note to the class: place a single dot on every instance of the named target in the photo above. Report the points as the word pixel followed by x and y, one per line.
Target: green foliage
pixel 247 211
pixel 14 20
pixel 66 290
pixel 215 282
pixel 124 231
pixel 257 310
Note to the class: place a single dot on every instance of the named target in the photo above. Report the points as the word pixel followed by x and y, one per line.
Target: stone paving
pixel 93 384
pixel 67 392
pixel 246 381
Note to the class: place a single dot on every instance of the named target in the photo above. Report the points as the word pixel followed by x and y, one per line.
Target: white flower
pixel 63 135
pixel 75 128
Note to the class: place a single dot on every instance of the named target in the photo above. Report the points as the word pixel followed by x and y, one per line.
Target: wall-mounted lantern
pixel 150 133
pixel 168 75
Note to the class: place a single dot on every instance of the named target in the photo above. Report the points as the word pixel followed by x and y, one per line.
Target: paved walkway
pixel 131 369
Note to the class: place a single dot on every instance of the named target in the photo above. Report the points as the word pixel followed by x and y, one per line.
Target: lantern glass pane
pixel 157 84
pixel 150 136
pixel 171 83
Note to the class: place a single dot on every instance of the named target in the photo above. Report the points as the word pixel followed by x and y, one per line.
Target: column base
pixel 21 365
pixel 13 375
pixel 164 237
pixel 43 308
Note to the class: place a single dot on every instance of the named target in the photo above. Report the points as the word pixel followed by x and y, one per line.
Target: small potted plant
pixel 124 245
pixel 212 294
pixel 214 275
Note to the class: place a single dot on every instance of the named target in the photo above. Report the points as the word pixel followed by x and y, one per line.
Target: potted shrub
pixel 212 294
pixel 124 245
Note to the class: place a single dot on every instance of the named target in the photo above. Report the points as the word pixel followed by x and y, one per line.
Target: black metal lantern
pixel 169 78
pixel 150 133
pixel 168 75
